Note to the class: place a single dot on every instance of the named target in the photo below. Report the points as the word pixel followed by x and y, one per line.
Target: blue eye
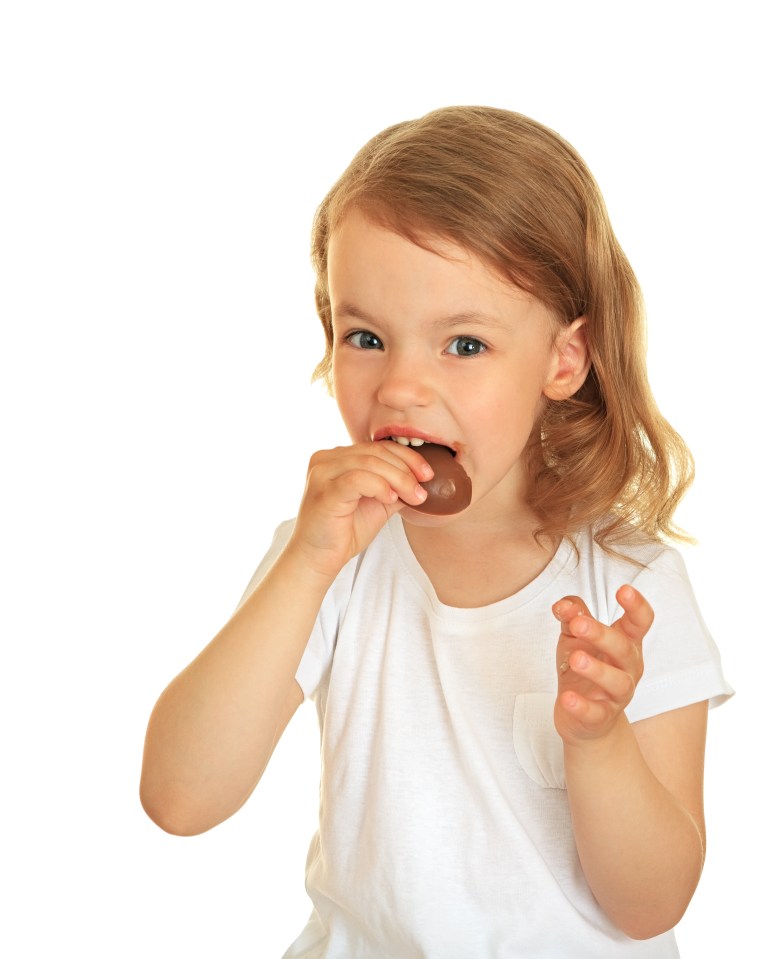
pixel 465 346
pixel 364 340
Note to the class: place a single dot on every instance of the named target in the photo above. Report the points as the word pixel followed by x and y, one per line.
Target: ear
pixel 570 363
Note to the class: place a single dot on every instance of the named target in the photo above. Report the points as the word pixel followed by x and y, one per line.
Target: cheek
pixel 510 405
pixel 508 420
pixel 346 404
pixel 351 402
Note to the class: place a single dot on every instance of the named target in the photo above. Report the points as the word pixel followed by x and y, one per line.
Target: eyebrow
pixel 470 317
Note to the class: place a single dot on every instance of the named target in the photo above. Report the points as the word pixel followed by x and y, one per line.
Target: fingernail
pixel 562 606
pixel 581 662
pixel 420 493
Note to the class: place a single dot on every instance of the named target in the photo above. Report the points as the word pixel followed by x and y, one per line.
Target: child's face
pixel 440 347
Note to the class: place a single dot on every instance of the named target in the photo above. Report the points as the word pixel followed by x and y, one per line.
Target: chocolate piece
pixel 450 489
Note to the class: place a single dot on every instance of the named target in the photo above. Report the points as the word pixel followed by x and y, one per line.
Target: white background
pixel 161 162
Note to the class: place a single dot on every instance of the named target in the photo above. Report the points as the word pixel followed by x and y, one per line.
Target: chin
pixel 429 520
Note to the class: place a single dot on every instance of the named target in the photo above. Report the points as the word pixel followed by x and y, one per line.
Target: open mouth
pixel 416 441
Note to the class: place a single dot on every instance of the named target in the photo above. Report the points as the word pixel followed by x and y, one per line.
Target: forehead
pixel 372 268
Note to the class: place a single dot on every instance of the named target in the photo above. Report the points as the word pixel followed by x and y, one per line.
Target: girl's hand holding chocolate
pixel 349 495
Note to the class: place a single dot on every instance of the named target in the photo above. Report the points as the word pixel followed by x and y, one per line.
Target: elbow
pixel 173 814
pixel 663 905
pixel 653 921
pixel 648 929
pixel 172 824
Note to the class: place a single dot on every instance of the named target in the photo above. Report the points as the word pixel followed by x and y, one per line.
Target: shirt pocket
pixel 536 741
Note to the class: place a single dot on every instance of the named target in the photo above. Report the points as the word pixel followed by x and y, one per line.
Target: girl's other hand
pixel 350 494
pixel 599 666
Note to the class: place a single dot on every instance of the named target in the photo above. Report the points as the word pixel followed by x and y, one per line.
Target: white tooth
pixel 415 441
pixel 402 440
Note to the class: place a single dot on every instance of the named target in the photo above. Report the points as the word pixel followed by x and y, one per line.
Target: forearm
pixel 213 729
pixel 640 849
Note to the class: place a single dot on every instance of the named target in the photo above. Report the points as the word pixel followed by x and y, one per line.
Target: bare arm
pixel 215 726
pixel 641 839
pixel 635 791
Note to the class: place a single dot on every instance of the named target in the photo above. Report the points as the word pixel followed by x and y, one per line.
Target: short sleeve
pixel 279 541
pixel 681 661
pixel 319 651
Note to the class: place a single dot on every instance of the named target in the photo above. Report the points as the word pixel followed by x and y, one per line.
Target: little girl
pixel 513 697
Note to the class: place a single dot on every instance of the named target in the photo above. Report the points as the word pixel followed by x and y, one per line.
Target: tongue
pixel 450 489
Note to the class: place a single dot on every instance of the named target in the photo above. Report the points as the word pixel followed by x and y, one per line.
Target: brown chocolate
pixel 450 489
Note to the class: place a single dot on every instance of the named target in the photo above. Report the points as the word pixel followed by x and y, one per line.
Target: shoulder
pixel 634 551
pixel 279 541
pixel 596 573
pixel 656 568
pixel 682 662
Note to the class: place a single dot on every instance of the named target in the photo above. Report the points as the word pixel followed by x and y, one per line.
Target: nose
pixel 406 383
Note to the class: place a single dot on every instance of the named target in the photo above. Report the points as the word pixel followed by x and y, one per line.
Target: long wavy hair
pixel 518 196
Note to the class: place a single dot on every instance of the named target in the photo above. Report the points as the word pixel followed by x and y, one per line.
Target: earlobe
pixel 571 362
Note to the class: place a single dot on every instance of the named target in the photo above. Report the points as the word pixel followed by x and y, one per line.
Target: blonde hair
pixel 518 196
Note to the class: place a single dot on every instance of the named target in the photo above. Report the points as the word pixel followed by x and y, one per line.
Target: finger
pixel 408 469
pixel 606 643
pixel 340 495
pixel 413 460
pixel 567 609
pixel 347 472
pixel 617 684
pixel 401 457
pixel 638 613
pixel 592 715
pixel 386 486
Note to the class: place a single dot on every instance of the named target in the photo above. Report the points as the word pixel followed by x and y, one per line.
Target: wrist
pixel 307 566
pixel 617 740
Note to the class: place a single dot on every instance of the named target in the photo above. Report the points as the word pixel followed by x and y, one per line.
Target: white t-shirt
pixel 444 829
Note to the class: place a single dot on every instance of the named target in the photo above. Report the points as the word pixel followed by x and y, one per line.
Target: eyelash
pixel 356 339
pixel 469 339
pixel 358 334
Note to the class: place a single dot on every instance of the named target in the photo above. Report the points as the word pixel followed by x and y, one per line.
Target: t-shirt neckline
pixel 563 556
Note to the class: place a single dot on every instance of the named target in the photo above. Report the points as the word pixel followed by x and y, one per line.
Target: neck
pixel 477 560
